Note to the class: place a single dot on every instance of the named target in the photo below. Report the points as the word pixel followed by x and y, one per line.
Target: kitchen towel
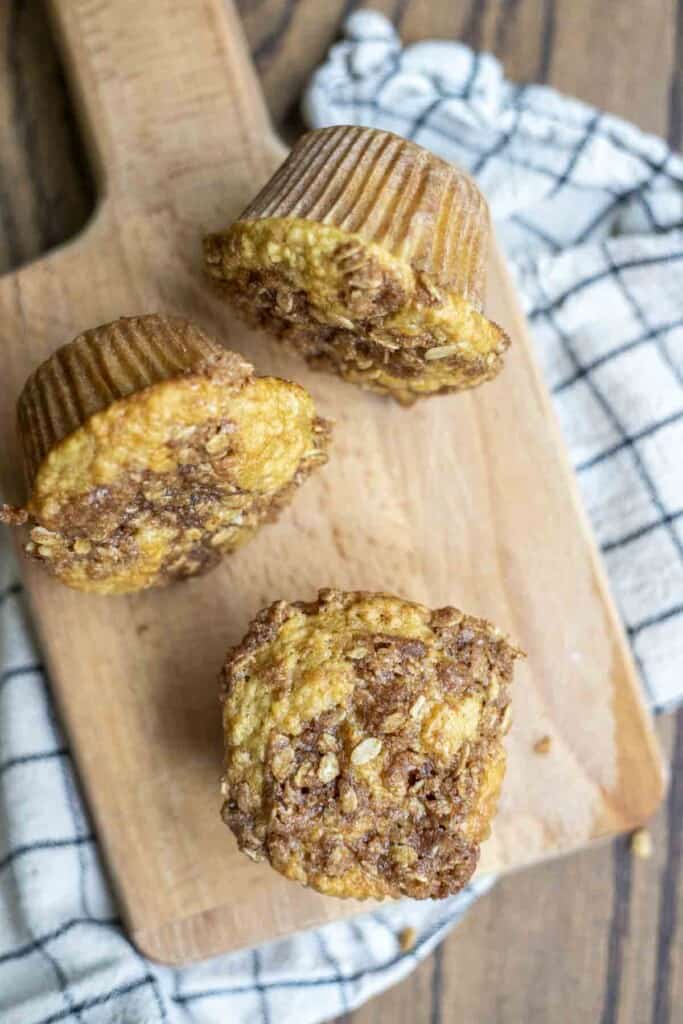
pixel 590 211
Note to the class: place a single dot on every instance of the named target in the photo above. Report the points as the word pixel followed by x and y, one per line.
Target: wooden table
pixel 602 933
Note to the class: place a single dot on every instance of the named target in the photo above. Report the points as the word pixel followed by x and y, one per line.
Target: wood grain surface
pixel 603 932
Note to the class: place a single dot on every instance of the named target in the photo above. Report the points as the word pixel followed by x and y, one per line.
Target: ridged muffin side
pixel 104 365
pixel 151 451
pixel 367 255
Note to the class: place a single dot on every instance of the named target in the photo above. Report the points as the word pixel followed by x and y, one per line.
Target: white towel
pixel 590 211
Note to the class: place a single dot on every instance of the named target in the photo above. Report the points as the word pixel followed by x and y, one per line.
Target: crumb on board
pixel 543 745
pixel 406 938
pixel 641 844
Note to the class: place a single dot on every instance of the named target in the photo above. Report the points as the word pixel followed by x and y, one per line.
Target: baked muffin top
pixel 366 254
pixel 364 742
pixel 151 451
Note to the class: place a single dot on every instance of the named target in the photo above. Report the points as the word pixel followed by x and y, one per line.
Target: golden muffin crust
pixel 366 254
pixel 363 743
pixel 151 451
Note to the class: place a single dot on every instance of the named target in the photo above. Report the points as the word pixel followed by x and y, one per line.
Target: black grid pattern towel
pixel 590 211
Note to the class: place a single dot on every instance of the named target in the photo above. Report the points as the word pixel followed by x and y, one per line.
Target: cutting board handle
pixel 141 72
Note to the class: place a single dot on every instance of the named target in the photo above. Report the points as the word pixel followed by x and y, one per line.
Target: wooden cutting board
pixel 463 499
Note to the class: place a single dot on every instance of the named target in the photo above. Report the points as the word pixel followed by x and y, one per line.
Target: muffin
pixel 363 743
pixel 150 451
pixel 366 254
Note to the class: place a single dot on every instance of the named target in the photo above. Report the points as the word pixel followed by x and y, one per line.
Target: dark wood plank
pixel 676 95
pixel 603 933
pixel 668 982
pixel 622 863
pixel 618 53
pixel 46 193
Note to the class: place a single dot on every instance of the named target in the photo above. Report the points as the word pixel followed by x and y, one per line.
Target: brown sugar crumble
pixel 151 451
pixel 363 742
